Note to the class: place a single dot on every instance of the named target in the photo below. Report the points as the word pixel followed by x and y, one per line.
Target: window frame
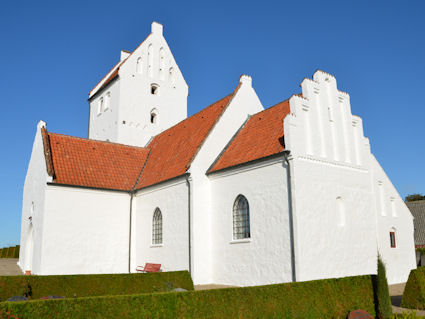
pixel 157 233
pixel 393 242
pixel 244 235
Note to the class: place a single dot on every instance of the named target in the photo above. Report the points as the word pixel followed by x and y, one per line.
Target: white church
pixel 238 194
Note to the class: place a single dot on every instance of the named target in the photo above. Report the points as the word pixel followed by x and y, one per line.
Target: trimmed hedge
pixel 93 285
pixel 10 252
pixel 382 294
pixel 414 292
pixel 330 298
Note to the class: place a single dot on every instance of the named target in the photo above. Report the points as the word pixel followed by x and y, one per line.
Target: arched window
pixel 154 116
pixel 157 227
pixel 154 89
pixel 150 60
pixel 241 227
pixel 139 65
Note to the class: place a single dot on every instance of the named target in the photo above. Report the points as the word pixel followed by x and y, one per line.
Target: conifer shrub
pixel 381 292
pixel 92 285
pixel 414 292
pixel 330 298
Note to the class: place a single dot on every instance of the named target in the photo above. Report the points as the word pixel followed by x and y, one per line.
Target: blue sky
pixel 53 53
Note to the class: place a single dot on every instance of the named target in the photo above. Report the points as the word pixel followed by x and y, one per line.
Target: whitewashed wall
pixel 244 102
pixel 103 125
pixel 33 204
pixel 137 102
pixel 393 215
pixel 172 199
pixel 334 217
pixel 129 119
pixel 85 231
pixel 265 258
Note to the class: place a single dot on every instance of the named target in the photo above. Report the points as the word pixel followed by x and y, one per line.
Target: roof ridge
pixel 188 118
pixel 229 143
pixel 141 172
pixel 259 140
pixel 270 107
pixel 97 141
pixel 232 95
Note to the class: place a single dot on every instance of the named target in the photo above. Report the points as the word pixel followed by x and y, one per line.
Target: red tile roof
pixel 84 162
pixel 173 150
pixel 261 136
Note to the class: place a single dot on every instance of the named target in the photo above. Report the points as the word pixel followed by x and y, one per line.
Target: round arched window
pixel 154 116
pixel 157 227
pixel 241 225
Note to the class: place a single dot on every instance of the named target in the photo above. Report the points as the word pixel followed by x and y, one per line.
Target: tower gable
pixel 150 94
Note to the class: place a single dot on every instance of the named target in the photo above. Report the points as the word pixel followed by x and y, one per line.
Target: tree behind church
pixel 414 197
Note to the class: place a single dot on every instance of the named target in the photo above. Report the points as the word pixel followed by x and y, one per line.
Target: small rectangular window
pixel 392 239
pixel 100 108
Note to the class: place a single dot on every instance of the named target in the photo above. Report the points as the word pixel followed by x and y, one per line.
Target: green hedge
pixel 93 285
pixel 382 295
pixel 331 298
pixel 10 252
pixel 414 292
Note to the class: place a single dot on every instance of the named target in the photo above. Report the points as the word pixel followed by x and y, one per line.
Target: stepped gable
pixel 259 137
pixel 84 162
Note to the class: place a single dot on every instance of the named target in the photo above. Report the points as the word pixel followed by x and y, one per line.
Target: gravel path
pixel 8 267
pixel 212 286
pixel 396 292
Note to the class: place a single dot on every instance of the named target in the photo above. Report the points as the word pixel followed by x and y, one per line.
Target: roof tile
pixel 84 162
pixel 261 136
pixel 173 150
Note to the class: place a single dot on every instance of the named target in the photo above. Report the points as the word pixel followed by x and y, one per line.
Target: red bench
pixel 149 268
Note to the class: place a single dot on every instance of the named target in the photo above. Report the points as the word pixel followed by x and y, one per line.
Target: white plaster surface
pixel 265 258
pixel 34 196
pixel 128 121
pixel 172 199
pixel 244 103
pixel 401 259
pixel 85 231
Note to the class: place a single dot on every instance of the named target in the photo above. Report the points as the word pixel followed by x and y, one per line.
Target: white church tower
pixel 144 94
